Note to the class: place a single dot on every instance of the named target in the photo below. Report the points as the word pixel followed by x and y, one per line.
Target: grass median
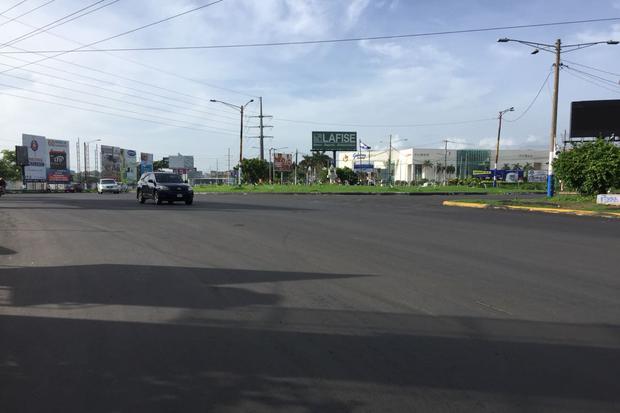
pixel 562 202
pixel 327 188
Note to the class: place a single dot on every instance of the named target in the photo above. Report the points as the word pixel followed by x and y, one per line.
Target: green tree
pixel 163 164
pixel 254 170
pixel 8 166
pixel 506 167
pixel 316 160
pixel 590 168
pixel 517 167
pixel 450 170
pixel 346 175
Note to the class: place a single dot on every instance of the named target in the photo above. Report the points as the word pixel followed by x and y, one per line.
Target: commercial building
pixel 413 164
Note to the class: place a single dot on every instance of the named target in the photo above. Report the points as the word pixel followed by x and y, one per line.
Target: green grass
pixel 583 203
pixel 328 188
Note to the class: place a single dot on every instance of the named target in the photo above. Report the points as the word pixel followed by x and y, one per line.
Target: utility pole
pixel 79 166
pixel 228 174
pixel 86 163
pixel 390 162
pixel 296 157
pixel 445 163
pixel 96 157
pixel 557 50
pixel 499 132
pixel 261 136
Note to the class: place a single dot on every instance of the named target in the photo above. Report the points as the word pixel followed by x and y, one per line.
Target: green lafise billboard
pixel 334 141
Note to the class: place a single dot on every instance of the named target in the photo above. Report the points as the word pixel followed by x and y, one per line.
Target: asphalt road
pixel 283 303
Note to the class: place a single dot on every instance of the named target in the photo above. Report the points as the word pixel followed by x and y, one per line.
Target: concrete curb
pixel 534 209
pixel 363 193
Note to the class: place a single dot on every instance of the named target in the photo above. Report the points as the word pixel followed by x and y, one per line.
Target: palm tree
pixel 450 169
pixel 516 166
pixel 506 167
pixel 427 164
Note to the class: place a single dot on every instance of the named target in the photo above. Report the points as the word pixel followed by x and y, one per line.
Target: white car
pixel 108 185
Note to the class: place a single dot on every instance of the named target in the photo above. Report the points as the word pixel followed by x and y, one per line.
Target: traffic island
pixel 570 205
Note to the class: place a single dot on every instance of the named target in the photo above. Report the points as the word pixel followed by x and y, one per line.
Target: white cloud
pixel 355 10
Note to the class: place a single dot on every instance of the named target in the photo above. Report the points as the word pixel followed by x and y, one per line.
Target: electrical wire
pixel 600 78
pixel 571 72
pixel 23 14
pixel 14 6
pixel 533 100
pixel 212 128
pixel 339 40
pixel 592 68
pixel 126 32
pixel 108 113
pixel 59 22
pixel 109 98
pixel 361 125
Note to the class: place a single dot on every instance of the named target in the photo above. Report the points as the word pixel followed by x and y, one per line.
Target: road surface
pixel 282 303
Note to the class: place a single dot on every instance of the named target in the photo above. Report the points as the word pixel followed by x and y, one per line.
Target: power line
pixel 361 125
pixel 128 59
pixel 338 40
pixel 24 13
pixel 59 22
pixel 114 84
pixel 600 78
pixel 203 127
pixel 571 72
pixel 107 97
pixel 14 6
pixel 128 31
pixel 107 113
pixel 592 68
pixel 533 100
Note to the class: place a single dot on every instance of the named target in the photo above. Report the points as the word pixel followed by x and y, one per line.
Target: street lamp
pixel 557 49
pixel 499 131
pixel 240 109
pixel 272 168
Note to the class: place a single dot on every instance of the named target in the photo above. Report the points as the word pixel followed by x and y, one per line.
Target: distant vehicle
pixel 74 188
pixel 163 186
pixel 108 185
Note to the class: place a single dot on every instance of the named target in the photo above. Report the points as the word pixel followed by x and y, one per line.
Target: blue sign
pixel 364 167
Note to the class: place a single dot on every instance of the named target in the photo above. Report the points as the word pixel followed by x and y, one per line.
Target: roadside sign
pixel 334 141
pixel 283 162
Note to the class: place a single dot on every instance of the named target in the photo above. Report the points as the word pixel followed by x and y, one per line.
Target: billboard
pixel 146 162
pixel 111 162
pixel 21 155
pixel 592 118
pixel 181 162
pixel 536 176
pixel 128 165
pixel 58 162
pixel 283 162
pixel 37 158
pixel 334 141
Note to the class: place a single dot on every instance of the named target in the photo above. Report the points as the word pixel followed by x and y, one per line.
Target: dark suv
pixel 164 186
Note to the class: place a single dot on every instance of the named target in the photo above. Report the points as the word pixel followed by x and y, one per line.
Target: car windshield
pixel 168 178
pixel 108 181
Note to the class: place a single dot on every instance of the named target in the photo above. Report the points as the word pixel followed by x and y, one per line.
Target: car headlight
pixel 190 189
pixel 164 187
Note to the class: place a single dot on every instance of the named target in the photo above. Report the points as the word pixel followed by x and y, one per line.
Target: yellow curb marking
pixel 533 209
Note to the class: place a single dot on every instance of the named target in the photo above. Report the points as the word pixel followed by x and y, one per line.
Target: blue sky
pixel 391 83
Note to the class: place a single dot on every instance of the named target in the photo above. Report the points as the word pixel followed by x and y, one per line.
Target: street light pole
pixel 499 132
pixel 556 49
pixel 241 109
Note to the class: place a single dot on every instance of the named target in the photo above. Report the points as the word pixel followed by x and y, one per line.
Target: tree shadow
pixel 6 251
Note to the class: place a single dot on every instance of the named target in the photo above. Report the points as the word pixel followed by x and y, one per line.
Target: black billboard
pixel 21 155
pixel 593 118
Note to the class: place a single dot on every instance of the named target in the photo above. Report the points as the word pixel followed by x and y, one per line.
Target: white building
pixel 414 164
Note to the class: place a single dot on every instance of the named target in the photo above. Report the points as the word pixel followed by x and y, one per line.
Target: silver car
pixel 108 185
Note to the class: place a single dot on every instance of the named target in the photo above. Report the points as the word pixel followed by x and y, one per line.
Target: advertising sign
pixel 536 176
pixel 128 165
pixel 21 155
pixel 111 162
pixel 181 162
pixel 58 176
pixel 363 167
pixel 58 154
pixel 37 157
pixel 592 118
pixel 283 162
pixel 334 141
pixel 146 162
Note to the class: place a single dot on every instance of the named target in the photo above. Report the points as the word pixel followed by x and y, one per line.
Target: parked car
pixel 163 186
pixel 108 185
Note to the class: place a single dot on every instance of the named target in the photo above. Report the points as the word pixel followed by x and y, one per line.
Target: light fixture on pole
pixel 241 109
pixel 499 132
pixel 556 49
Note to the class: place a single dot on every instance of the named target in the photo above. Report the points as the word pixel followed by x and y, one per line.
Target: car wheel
pixel 156 199
pixel 141 198
pixel 189 202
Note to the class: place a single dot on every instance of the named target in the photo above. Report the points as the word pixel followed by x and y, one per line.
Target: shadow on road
pixel 373 362
pixel 106 202
pixel 6 251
